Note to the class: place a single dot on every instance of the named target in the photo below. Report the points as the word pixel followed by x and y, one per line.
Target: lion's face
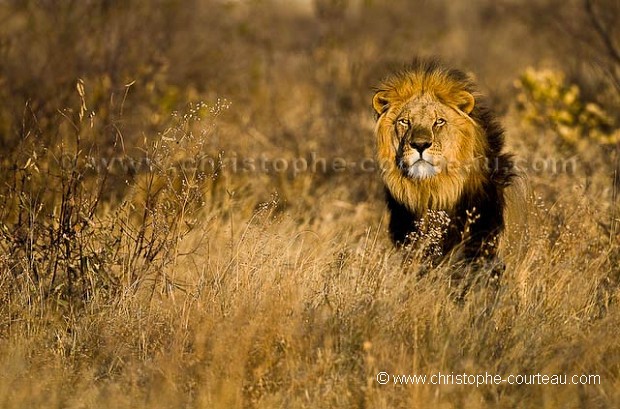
pixel 428 146
pixel 427 138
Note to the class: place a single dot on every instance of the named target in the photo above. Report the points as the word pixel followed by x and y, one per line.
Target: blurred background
pixel 297 75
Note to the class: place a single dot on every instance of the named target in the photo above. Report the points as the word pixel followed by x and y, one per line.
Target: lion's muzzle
pixel 414 156
pixel 418 166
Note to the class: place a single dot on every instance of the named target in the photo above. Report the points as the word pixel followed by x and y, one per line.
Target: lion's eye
pixel 440 122
pixel 403 122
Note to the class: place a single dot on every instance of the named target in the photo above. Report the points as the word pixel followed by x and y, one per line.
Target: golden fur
pixel 462 165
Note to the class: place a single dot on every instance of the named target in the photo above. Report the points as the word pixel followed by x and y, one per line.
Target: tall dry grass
pixel 155 253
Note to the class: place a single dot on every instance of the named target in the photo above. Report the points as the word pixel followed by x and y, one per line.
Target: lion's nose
pixel 420 146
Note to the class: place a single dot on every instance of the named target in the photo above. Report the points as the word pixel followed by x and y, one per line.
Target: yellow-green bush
pixel 547 99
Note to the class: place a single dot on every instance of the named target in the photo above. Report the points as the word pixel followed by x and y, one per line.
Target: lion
pixel 440 151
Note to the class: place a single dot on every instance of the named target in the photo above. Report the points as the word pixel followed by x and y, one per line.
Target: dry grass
pixel 163 284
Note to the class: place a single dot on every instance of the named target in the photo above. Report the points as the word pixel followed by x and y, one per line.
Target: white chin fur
pixel 422 170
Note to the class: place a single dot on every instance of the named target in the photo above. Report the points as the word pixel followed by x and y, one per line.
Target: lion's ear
pixel 380 102
pixel 465 101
